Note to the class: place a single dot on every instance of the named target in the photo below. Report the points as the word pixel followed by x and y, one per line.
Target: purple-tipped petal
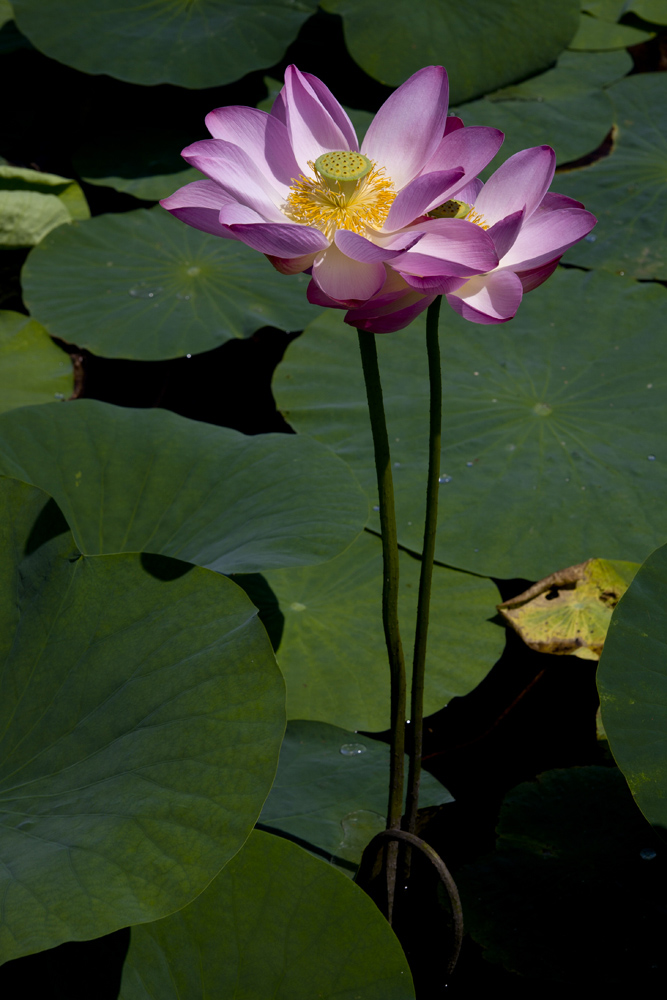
pixel 423 193
pixel 470 193
pixel 505 232
pixel 293 265
pixel 281 241
pixel 488 298
pixel 359 248
pixel 233 214
pixel 547 235
pixel 522 180
pixel 316 297
pixel 535 276
pixel 409 126
pixel 198 205
pixel 346 280
pixel 311 127
pixel 263 138
pixel 471 148
pixel 452 123
pixel 337 112
pixel 434 284
pixel 389 318
pixel 552 201
pixel 231 167
pixel 449 247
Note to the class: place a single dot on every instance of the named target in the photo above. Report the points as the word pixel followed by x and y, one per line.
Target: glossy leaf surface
pixel 632 680
pixel 141 718
pixel 33 203
pixel 143 285
pixel 392 41
pixel 331 788
pixel 543 428
pixel 275 923
pixel 626 190
pixel 201 44
pixel 32 368
pixel 332 651
pixel 148 480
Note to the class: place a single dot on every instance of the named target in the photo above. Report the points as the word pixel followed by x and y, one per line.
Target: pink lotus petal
pixel 547 235
pixel 470 193
pixel 488 298
pixel 198 205
pixel 452 123
pixel 233 213
pixel 348 281
pixel 293 265
pixel 505 232
pixel 409 126
pixel 388 319
pixel 312 129
pixel 359 248
pixel 337 112
pixel 471 148
pixel 522 180
pixel 535 276
pixel 316 297
pixel 449 247
pixel 232 168
pixel 434 284
pixel 423 193
pixel 280 240
pixel 552 200
pixel 263 138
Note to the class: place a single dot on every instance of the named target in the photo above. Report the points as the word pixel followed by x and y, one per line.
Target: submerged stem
pixel 428 552
pixel 369 360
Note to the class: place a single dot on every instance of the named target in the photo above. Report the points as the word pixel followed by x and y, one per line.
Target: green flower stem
pixel 369 361
pixel 428 553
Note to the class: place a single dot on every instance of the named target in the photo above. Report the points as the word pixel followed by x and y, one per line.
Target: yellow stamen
pixel 329 204
pixel 478 219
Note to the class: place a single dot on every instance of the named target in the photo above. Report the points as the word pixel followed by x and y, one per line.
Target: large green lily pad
pixel 632 680
pixel 331 788
pixel 597 34
pixel 565 108
pixel 141 718
pixel 551 438
pixel 202 44
pixel 32 368
pixel 33 203
pixel 275 923
pixel 392 41
pixel 332 650
pixel 574 893
pixel 145 286
pixel 627 190
pixel 149 480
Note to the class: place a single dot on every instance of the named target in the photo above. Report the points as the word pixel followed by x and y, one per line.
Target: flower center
pixel 454 209
pixel 347 192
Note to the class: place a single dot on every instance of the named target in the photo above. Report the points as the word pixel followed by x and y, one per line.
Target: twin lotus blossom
pixel 384 229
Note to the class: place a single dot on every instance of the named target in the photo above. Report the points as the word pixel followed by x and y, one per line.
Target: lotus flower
pixel 294 185
pixel 530 228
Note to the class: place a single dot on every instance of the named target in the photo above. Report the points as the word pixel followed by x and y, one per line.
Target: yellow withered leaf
pixel 568 613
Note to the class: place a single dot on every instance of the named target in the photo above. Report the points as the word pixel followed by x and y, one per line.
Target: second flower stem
pixel 369 361
pixel 428 553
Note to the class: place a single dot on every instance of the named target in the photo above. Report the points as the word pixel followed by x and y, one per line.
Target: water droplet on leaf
pixel 352 749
